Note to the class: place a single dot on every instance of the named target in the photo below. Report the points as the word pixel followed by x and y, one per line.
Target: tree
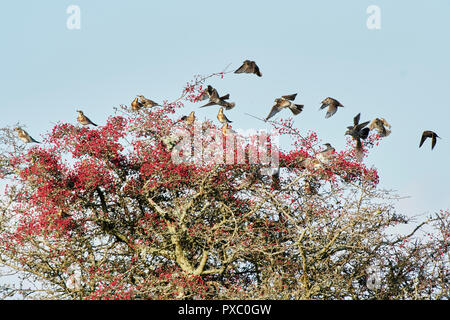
pixel 107 213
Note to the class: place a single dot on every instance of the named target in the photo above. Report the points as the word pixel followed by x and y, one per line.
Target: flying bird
pixel 249 67
pixel 215 99
pixel 83 119
pixel 332 105
pixel 147 102
pixel 429 134
pixel 285 102
pixel 358 132
pixel 207 93
pixel 381 125
pixel 24 136
pixel 190 119
pixel 222 117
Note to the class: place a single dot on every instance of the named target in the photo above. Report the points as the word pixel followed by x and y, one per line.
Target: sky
pixel 322 48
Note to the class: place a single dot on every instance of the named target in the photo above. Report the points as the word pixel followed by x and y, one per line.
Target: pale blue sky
pixel 316 48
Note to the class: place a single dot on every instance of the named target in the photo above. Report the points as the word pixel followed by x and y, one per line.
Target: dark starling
pixel 358 132
pixel 429 134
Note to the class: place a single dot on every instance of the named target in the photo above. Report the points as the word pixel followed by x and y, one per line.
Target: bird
pixel 332 104
pixel 276 179
pixel 190 119
pixel 226 130
pixel 222 118
pixel 171 141
pixel 24 136
pixel 136 105
pixel 311 185
pixel 381 125
pixel 206 93
pixel 429 134
pixel 249 67
pixel 215 99
pixel 358 132
pixel 147 102
pixel 83 119
pixel 285 102
pixel 325 155
pixel 62 214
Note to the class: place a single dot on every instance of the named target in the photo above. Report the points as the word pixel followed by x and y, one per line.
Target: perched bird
pixel 249 67
pixel 381 125
pixel 325 155
pixel 24 136
pixel 429 134
pixel 358 132
pixel 226 130
pixel 285 102
pixel 215 99
pixel 147 102
pixel 311 186
pixel 222 118
pixel 83 119
pixel 332 105
pixel 136 105
pixel 190 119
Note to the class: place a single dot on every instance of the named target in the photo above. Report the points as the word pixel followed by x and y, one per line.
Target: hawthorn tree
pixel 107 213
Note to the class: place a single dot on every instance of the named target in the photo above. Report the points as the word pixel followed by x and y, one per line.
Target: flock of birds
pixel 358 131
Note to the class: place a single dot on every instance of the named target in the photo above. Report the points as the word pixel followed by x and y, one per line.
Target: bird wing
pixel 211 103
pixel 256 71
pixel 356 119
pixel 275 109
pixel 242 69
pixel 226 119
pixel 361 125
pixel 290 97
pixel 364 133
pixel 89 121
pixel 433 141
pixel 331 110
pixel 227 105
pixel 204 95
pixel 296 108
pixel 424 137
